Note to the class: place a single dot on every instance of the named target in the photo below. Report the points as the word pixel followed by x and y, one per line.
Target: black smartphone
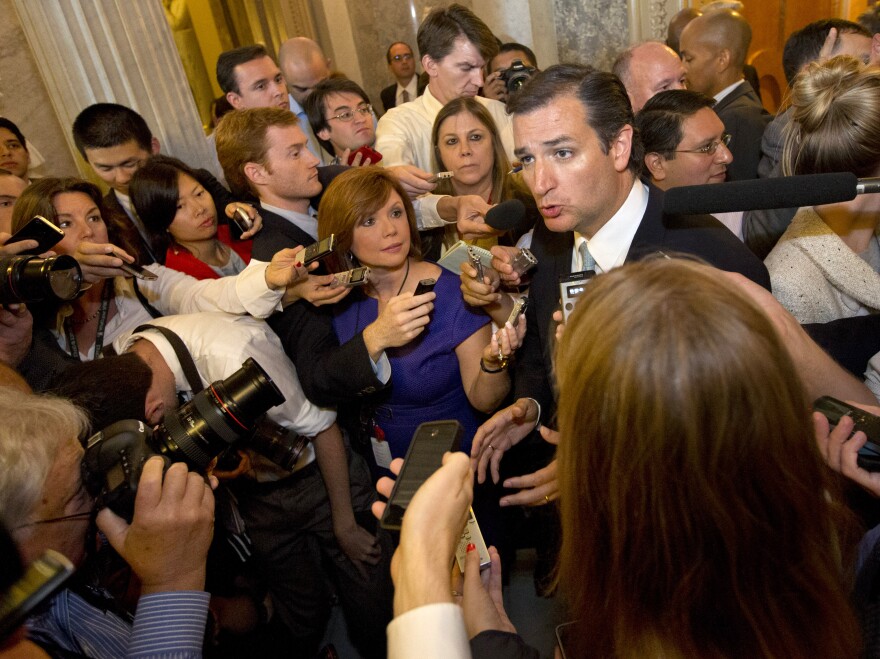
pixel 869 454
pixel 40 229
pixel 424 456
pixel 39 582
pixel 425 286
pixel 319 250
pixel 135 270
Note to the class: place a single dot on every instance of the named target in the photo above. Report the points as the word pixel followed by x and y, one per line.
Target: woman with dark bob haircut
pixel 181 218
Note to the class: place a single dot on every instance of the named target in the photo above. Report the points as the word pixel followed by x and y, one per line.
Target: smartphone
pixel 440 176
pixel 319 250
pixel 366 154
pixel 519 308
pixel 39 582
pixel 135 270
pixel 352 278
pixel 476 262
pixel 869 454
pixel 425 286
pixel 523 262
pixel 40 229
pixel 424 456
pixel 564 637
pixel 572 287
pixel 242 220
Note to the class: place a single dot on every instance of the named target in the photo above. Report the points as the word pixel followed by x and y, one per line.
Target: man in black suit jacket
pixel 713 50
pixel 402 65
pixel 573 129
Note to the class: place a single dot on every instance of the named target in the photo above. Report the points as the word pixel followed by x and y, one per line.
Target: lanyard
pixel 72 346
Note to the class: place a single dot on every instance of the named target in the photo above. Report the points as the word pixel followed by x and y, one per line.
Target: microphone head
pixel 506 215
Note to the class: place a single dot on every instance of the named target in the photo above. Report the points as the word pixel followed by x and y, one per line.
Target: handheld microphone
pixel 782 192
pixel 506 215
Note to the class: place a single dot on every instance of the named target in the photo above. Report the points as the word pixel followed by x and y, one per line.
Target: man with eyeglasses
pixel 44 503
pixel 408 85
pixel 686 144
pixel 341 117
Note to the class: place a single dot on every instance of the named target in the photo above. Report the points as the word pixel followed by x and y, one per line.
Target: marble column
pixel 114 51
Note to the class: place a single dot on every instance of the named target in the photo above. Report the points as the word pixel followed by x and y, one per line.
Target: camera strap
pixel 186 361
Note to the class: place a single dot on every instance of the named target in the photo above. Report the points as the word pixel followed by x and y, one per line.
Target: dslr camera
pixel 226 413
pixel 517 75
pixel 26 278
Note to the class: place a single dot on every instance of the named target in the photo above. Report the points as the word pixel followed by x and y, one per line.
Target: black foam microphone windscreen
pixel 506 215
pixel 783 192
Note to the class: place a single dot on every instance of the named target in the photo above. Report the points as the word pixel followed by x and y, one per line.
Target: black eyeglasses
pixel 709 148
pixel 348 115
pixel 65 518
pixel 402 58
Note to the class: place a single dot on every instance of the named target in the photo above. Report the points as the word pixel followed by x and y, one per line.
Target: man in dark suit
pixel 713 50
pixel 402 65
pixel 573 129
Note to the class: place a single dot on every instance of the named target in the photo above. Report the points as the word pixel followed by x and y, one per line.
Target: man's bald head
pixel 713 49
pixel 304 65
pixel 647 69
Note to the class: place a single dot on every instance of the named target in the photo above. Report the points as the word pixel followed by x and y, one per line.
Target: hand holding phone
pixel 40 229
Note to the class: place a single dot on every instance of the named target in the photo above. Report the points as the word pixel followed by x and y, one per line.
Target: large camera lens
pixel 218 416
pixel 31 279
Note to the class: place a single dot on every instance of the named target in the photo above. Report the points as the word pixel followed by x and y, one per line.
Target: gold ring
pixel 546 499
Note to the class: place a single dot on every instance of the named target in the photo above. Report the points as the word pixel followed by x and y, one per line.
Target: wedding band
pixel 491 447
pixel 546 499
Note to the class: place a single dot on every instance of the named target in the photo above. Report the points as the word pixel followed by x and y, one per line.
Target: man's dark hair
pixel 315 104
pixel 661 120
pixel 602 94
pixel 105 125
pixel 440 29
pixel 85 385
pixel 870 19
pixel 803 46
pixel 513 47
pixel 12 128
pixel 228 60
pixel 388 52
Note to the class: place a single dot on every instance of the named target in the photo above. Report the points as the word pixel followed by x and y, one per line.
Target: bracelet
pixel 491 370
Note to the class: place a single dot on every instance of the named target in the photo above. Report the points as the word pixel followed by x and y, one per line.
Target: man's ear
pixel 255 173
pixel 234 100
pixel 155 147
pixel 323 134
pixel 430 66
pixel 875 50
pixel 722 59
pixel 620 148
pixel 656 165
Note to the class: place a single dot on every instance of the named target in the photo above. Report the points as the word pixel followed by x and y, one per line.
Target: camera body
pixel 517 75
pixel 218 417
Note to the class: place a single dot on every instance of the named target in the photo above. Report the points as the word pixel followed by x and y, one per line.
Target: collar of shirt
pixel 128 207
pixel 412 88
pixel 308 223
pixel 430 101
pixel 726 91
pixel 168 354
pixel 610 245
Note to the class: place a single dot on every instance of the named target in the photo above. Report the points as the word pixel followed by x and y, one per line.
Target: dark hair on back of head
pixel 228 60
pixel 105 125
pixel 660 121
pixel 602 95
pixel 803 46
pixel 12 128
pixel 86 385
pixel 440 29
pixel 315 104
